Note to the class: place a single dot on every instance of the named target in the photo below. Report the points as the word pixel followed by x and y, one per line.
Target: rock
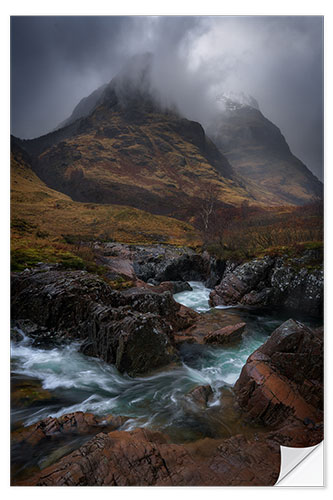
pixel 226 335
pixel 72 423
pixel 131 329
pixel 170 286
pixel 181 286
pixel 284 377
pixel 278 282
pixel 145 458
pixel 241 280
pixel 28 394
pixel 216 270
pixel 15 335
pixel 200 395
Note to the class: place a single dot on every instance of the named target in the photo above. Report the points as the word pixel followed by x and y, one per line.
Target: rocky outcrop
pixel 77 423
pixel 131 329
pixel 157 264
pixel 200 395
pixel 283 380
pixel 162 264
pixel 146 458
pixel 272 281
pixel 226 335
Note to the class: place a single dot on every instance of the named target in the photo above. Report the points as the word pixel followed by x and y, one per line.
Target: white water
pixel 197 298
pixel 81 383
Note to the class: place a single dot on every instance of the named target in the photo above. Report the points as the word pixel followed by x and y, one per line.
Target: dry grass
pixel 44 221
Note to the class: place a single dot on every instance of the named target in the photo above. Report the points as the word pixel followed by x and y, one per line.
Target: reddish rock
pixel 226 335
pixel 200 395
pixel 72 423
pixel 284 378
pixel 146 458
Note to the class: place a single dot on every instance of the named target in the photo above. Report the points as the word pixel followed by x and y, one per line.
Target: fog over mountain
pixel 57 61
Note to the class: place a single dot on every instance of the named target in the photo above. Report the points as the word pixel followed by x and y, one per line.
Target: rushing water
pixel 62 380
pixel 79 383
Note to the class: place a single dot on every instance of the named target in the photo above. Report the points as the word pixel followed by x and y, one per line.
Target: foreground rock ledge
pixel 283 379
pixel 145 458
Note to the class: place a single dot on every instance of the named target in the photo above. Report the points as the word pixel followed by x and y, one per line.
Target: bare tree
pixel 207 205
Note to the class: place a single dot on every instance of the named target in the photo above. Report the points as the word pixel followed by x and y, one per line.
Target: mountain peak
pixel 236 100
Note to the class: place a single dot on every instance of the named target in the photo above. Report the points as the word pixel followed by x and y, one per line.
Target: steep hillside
pixel 260 154
pixel 130 150
pixel 41 216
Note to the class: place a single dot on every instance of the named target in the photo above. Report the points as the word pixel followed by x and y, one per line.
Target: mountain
pixel 41 216
pixel 84 108
pixel 259 153
pixel 130 150
pixel 121 145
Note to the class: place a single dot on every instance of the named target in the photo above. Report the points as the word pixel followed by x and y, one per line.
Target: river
pixel 79 383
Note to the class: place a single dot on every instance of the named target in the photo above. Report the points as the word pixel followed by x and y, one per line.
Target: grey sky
pixel 55 61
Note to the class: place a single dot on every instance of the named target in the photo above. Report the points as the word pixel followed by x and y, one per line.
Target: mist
pixel 56 61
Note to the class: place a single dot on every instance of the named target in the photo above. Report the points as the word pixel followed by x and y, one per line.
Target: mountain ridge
pixel 129 149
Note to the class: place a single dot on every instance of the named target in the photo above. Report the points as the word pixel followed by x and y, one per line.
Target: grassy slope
pixel 155 162
pixel 41 216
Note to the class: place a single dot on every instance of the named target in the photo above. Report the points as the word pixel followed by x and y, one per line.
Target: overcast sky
pixel 56 61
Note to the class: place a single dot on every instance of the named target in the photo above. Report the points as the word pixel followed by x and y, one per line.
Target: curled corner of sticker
pixel 302 466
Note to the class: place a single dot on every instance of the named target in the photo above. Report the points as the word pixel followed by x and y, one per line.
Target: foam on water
pixel 196 299
pixel 82 383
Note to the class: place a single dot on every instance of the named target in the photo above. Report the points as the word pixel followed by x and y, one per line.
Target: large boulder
pixel 225 335
pixel 240 280
pixel 132 329
pixel 280 282
pixel 283 379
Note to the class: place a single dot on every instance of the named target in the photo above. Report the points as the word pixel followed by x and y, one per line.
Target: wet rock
pixel 162 263
pixel 241 280
pixel 170 286
pixel 215 271
pixel 269 281
pixel 132 329
pixel 200 395
pixel 29 393
pixel 181 286
pixel 284 377
pixel 29 328
pixel 226 335
pixel 77 423
pixel 15 335
pixel 146 458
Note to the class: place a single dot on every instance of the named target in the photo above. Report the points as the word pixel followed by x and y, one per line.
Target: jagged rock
pixel 226 335
pixel 132 329
pixel 215 272
pixel 146 458
pixel 15 335
pixel 71 423
pixel 200 395
pixel 269 281
pixel 240 281
pixel 284 377
pixel 171 286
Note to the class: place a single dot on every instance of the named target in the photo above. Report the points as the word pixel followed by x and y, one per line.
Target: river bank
pixel 68 315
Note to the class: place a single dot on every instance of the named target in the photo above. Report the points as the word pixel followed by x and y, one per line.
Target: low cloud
pixel 56 61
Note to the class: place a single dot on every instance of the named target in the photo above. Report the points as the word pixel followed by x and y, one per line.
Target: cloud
pixel 56 61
